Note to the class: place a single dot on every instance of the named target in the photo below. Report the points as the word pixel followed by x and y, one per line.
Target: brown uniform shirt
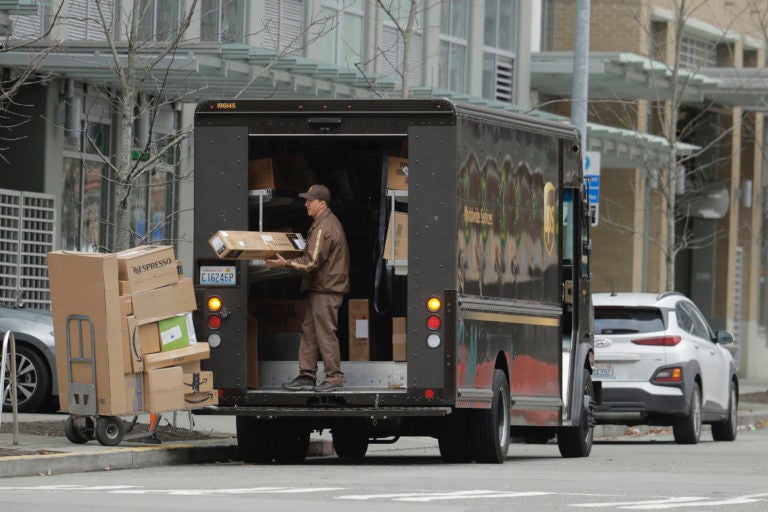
pixel 325 261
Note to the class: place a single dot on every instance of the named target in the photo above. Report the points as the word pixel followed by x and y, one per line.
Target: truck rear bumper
pixel 379 413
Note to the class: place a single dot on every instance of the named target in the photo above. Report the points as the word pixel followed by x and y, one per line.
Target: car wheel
pixel 688 430
pixel 33 381
pixel 726 430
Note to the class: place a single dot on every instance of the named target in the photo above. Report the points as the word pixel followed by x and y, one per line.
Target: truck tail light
pixel 214 322
pixel 434 321
pixel 214 304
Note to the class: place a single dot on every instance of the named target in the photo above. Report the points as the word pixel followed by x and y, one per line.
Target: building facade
pixel 511 54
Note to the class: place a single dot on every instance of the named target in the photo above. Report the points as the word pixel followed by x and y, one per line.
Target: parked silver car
pixel 660 363
pixel 35 358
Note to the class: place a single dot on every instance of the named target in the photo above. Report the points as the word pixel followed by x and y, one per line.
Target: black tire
pixel 688 430
pixel 490 428
pixel 290 443
pixel 726 430
pixel 33 380
pixel 577 441
pixel 453 438
pixel 253 440
pixel 109 430
pixel 350 444
pixel 79 429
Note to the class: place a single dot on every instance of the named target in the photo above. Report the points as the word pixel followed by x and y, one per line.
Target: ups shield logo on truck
pixel 549 216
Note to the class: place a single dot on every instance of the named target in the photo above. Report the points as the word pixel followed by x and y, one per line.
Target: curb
pixel 113 459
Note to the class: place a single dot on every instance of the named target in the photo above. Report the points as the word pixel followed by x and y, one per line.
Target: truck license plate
pixel 218 275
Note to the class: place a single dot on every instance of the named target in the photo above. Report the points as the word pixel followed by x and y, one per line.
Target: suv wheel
pixel 688 430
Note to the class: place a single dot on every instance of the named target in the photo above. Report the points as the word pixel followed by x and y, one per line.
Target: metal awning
pixel 616 76
pixel 204 71
pixel 629 76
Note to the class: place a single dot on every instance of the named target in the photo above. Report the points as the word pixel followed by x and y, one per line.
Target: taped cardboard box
pixel 164 389
pixel 256 245
pixel 400 226
pixel 359 342
pixel 85 285
pixel 146 267
pixel 197 352
pixel 202 399
pixel 280 315
pixel 198 382
pixel 283 173
pixel 398 339
pixel 397 173
pixel 167 334
pixel 164 302
pixel 132 346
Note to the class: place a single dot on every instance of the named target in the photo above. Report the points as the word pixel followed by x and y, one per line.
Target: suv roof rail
pixel 664 295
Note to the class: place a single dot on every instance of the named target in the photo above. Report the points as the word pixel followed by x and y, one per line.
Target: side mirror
pixel 723 337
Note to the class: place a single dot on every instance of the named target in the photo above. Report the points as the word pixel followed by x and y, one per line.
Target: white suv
pixel 660 363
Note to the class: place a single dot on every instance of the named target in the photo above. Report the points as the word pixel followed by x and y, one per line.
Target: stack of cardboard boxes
pixel 126 317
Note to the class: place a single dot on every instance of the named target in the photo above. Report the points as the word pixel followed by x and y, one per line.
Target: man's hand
pixel 278 261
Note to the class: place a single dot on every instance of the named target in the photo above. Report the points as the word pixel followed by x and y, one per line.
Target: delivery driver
pixel 325 264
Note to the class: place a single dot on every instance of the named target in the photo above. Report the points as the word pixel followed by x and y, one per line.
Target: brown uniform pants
pixel 318 337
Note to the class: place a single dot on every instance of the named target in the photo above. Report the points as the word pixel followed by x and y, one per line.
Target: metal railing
pixel 12 378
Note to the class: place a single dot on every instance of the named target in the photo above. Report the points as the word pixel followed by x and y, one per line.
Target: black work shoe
pixel 327 386
pixel 300 383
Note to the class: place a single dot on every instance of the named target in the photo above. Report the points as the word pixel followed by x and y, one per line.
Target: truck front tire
pixel 577 441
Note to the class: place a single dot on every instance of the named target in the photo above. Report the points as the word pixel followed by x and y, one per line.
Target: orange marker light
pixel 434 304
pixel 214 304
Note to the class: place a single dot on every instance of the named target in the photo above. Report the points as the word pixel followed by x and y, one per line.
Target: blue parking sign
pixel 593 184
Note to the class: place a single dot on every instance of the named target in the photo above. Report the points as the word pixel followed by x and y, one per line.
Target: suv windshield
pixel 610 320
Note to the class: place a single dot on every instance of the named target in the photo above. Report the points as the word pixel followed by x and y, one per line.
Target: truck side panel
pixel 223 152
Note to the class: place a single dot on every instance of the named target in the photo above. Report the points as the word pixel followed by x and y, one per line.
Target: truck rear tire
pixel 490 430
pixel 350 444
pixel 289 442
pixel 577 441
pixel 253 440
pixel 453 438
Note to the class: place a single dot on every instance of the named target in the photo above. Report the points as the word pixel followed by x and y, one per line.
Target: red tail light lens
pixel 434 322
pixel 214 322
pixel 659 341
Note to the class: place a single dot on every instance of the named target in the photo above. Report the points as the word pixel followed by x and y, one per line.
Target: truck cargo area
pixel 355 171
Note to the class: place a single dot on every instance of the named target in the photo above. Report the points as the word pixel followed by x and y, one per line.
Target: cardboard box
pixel 164 389
pixel 256 245
pixel 180 356
pixel 164 302
pixel 253 352
pixel 147 266
pixel 397 173
pixel 284 173
pixel 401 237
pixel 86 284
pixel 279 315
pixel 398 339
pixel 191 367
pixel 176 332
pixel 150 338
pixel 359 343
pixel 198 382
pixel 132 346
pixel 195 400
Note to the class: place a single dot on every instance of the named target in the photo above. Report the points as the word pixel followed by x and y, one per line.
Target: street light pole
pixel 579 92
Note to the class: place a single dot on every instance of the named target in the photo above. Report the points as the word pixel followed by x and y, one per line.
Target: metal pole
pixel 579 92
pixel 9 337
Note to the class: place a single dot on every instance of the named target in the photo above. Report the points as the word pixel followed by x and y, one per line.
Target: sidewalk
pixel 65 457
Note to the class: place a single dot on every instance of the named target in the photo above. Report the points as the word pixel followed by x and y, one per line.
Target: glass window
pixel 453 44
pixel 699 326
pixel 222 21
pixel 342 42
pixel 620 320
pixel 159 20
pixel 696 52
pixel 500 24
pixel 452 60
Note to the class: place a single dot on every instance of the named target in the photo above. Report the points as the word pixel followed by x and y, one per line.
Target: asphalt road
pixel 648 473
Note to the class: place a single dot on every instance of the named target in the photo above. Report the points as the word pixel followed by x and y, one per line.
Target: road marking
pixel 682 502
pixel 242 490
pixel 436 496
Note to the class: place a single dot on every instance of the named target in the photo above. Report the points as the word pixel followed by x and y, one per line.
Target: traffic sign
pixel 592 180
